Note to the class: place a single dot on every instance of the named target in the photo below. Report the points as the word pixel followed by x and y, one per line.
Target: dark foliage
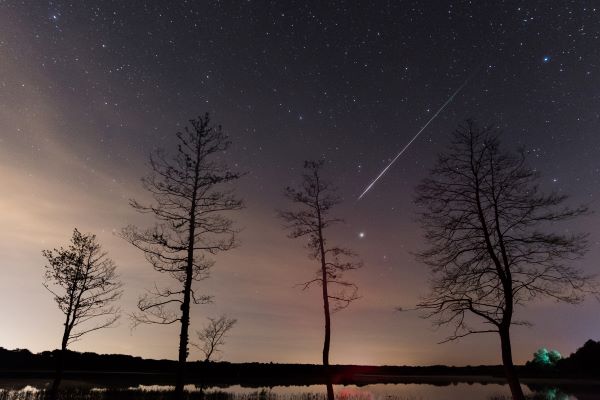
pixel 129 368
pixel 586 360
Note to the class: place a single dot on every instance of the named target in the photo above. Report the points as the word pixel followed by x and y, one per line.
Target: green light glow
pixel 545 357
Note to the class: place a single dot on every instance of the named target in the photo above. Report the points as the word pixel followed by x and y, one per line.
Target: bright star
pixel 361 235
pixel 546 59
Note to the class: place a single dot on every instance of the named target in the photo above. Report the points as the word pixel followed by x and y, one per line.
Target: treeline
pixel 583 363
pixel 117 368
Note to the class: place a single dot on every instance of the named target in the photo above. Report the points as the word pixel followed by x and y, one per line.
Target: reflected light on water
pixel 351 393
pixel 162 388
pixel 29 389
pixel 454 391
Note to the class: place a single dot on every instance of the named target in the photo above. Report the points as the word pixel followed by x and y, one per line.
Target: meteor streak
pixel 414 138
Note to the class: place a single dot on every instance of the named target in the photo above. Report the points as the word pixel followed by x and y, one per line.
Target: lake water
pixel 453 391
pixel 20 389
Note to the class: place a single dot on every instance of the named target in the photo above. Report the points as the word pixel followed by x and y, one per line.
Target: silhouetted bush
pixel 586 360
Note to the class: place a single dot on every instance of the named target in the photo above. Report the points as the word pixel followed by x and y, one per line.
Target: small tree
pixel 189 199
pixel 486 221
pixel 315 199
pixel 85 286
pixel 212 336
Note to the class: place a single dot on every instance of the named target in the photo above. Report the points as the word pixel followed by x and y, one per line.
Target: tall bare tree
pixel 190 190
pixel 491 250
pixel 212 336
pixel 85 286
pixel 314 201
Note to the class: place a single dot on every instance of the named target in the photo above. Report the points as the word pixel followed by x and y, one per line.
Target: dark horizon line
pixel 141 358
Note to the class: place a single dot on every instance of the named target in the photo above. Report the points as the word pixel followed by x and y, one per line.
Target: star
pixel 361 235
pixel 546 59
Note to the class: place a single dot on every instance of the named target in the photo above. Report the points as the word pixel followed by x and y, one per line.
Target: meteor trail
pixel 414 138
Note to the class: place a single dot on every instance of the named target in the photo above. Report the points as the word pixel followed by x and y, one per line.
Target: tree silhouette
pixel 485 219
pixel 85 286
pixel 190 193
pixel 315 199
pixel 212 336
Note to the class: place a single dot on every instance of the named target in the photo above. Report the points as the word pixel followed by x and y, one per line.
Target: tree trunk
pixel 509 368
pixel 330 395
pixel 327 340
pixel 60 361
pixel 60 365
pixel 187 290
pixel 183 337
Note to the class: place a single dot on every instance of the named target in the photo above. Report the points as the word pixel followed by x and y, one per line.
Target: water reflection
pixel 454 391
pixel 556 394
pixel 330 395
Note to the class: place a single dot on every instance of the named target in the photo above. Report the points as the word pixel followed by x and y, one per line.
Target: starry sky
pixel 89 89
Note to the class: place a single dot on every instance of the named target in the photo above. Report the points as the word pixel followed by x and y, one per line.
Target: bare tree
pixel 315 199
pixel 487 223
pixel 189 199
pixel 212 336
pixel 85 286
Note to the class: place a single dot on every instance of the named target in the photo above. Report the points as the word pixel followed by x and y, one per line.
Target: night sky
pixel 88 89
